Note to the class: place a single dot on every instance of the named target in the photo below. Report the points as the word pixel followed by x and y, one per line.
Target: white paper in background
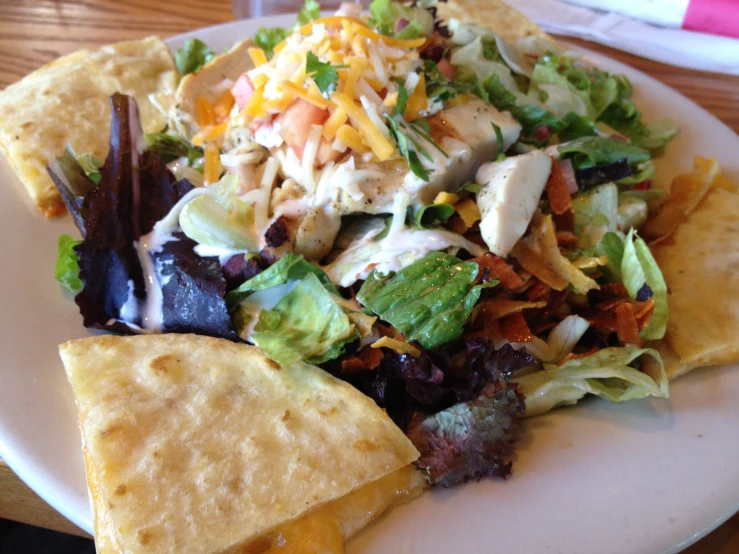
pixel 667 13
pixel 671 46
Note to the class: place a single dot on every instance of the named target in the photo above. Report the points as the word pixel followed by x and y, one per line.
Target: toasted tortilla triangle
pixel 200 445
pixel 496 15
pixel 700 262
pixel 66 101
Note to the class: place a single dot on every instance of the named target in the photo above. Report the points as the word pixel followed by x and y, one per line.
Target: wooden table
pixel 33 32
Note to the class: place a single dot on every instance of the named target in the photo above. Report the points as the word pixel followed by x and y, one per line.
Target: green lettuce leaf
pixel 532 117
pixel 269 37
pixel 306 324
pixel 219 218
pixel 67 270
pixel 631 262
pixel 432 214
pixel 384 16
pixel 606 373
pixel 290 267
pixel 428 301
pixel 193 56
pixel 638 267
pixel 596 213
pixel 310 11
pixel 593 151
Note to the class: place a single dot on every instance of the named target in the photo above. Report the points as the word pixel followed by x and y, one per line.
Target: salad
pixel 447 221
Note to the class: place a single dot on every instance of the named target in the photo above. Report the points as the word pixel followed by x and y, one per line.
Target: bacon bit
pixel 476 237
pixel 502 307
pixel 544 327
pixel 531 262
pixel 515 329
pixel 367 358
pixel 498 269
pixel 456 224
pixel 627 328
pixel 566 238
pixel 559 197
pixel 646 184
pixel 538 291
pixel 565 221
pixel 542 133
pixel 644 317
pixel 613 289
pixel 572 356
pixel 608 317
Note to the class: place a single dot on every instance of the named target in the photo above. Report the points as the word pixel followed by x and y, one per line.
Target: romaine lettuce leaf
pixel 67 270
pixel 219 218
pixel 593 151
pixel 306 324
pixel 596 213
pixel 385 15
pixel 531 116
pixel 193 56
pixel 310 11
pixel 606 373
pixel 170 148
pixel 638 267
pixel 269 37
pixel 290 267
pixel 631 262
pixel 428 301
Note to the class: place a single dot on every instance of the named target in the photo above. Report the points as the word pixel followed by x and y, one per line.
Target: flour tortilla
pixel 700 263
pixel 495 15
pixel 199 445
pixel 67 101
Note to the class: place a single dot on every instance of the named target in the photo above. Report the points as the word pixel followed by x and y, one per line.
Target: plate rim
pixel 56 496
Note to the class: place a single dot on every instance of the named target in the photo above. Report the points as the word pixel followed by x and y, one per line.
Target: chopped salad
pixel 446 220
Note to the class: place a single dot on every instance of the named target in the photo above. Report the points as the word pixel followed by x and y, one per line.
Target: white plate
pixel 641 477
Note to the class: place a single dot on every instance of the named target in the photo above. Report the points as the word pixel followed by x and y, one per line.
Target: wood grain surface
pixel 35 32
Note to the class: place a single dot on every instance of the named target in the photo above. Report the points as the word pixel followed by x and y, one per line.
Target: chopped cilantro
pixel 414 163
pixel 323 73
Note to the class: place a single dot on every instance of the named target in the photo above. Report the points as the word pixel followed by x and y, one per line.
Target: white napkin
pixel 671 46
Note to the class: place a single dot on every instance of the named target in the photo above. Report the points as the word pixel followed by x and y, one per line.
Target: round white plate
pixel 643 477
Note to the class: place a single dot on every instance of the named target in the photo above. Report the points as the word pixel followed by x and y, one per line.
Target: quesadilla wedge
pixel 699 263
pixel 200 445
pixel 66 101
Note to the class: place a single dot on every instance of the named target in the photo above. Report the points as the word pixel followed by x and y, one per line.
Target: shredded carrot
pixel 204 112
pixel 559 197
pixel 627 328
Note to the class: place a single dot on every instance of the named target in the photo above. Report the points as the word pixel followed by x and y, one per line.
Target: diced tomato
pixel 447 69
pixel 646 184
pixel 242 90
pixel 542 133
pixel 297 121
